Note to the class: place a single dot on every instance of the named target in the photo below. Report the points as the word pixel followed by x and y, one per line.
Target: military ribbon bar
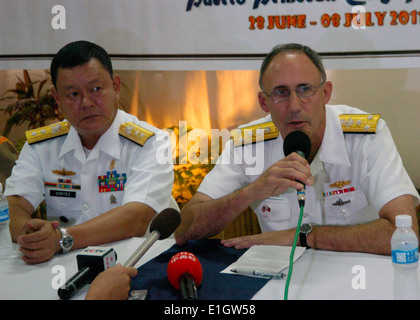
pixel 332 193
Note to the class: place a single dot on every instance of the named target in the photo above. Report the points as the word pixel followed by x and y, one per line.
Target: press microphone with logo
pixel 91 262
pixel 185 273
pixel 162 226
pixel 299 142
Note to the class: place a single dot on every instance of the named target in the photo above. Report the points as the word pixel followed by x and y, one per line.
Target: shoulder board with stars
pixel 359 123
pixel 48 132
pixel 251 134
pixel 135 133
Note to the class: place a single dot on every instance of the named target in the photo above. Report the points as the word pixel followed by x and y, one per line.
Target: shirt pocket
pixel 274 213
pixel 106 201
pixel 63 205
pixel 344 208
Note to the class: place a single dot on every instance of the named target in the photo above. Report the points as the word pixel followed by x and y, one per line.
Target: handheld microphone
pixel 91 262
pixel 185 273
pixel 162 226
pixel 299 142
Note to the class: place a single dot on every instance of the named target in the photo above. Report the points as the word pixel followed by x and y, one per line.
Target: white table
pixel 316 275
pixel 327 275
pixel 19 280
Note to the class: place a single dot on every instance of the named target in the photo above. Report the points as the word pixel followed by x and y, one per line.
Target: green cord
pixel 292 253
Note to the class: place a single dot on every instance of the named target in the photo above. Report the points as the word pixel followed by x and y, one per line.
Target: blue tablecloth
pixel 214 258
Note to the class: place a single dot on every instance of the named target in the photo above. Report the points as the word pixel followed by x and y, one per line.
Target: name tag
pixel 64 194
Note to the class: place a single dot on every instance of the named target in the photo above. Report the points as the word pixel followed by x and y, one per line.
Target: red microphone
pixel 185 273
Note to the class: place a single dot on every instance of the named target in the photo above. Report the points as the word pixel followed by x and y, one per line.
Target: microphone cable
pixel 292 253
pixel 296 141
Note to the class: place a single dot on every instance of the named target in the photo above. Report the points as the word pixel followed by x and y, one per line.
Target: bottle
pixel 405 257
pixel 6 250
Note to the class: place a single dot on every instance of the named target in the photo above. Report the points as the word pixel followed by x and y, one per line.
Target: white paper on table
pixel 265 259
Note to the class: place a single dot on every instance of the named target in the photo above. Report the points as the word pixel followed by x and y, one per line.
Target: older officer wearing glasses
pixel 355 180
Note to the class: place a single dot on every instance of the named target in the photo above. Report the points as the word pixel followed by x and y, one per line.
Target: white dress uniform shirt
pixel 355 175
pixel 74 182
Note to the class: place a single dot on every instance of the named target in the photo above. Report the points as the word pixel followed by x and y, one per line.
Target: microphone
pixel 299 142
pixel 162 226
pixel 91 262
pixel 185 273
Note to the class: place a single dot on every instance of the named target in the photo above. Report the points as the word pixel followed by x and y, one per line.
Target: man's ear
pixel 116 81
pixel 262 98
pixel 57 100
pixel 55 95
pixel 328 87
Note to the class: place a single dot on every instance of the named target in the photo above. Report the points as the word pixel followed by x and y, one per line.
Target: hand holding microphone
pixel 293 171
pixel 94 260
pixel 91 262
pixel 112 284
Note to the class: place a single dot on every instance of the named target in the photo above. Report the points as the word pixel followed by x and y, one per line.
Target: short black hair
pixel 293 47
pixel 78 53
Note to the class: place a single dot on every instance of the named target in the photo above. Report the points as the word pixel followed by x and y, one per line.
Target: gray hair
pixel 293 47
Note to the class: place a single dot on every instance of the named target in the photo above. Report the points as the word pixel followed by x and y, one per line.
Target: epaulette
pixel 135 133
pixel 258 132
pixel 359 123
pixel 48 132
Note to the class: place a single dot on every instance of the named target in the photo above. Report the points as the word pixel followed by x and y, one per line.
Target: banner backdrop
pixel 212 34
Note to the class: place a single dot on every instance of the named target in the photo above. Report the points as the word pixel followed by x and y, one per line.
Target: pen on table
pixel 257 273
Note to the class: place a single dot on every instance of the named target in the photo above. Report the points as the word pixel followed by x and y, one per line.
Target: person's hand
pixel 112 284
pixel 39 240
pixel 279 238
pixel 289 172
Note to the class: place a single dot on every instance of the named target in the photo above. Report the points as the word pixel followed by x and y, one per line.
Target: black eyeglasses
pixel 280 94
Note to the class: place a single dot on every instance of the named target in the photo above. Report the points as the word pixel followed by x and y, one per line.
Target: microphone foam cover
pixel 297 141
pixel 166 222
pixel 181 263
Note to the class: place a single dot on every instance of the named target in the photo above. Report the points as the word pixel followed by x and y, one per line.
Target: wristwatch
pixel 66 241
pixel 305 229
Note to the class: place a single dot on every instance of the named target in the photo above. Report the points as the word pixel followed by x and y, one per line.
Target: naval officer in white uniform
pixel 97 170
pixel 355 181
